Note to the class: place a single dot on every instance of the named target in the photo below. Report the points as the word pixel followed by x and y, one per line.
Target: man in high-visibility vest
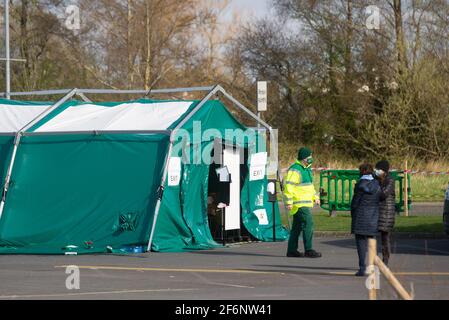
pixel 300 198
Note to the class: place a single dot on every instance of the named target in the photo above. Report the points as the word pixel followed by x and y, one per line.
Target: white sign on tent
pixel 261 215
pixel 174 171
pixel 258 165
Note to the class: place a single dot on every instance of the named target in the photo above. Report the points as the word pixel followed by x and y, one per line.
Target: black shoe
pixel 296 254
pixel 361 273
pixel 312 254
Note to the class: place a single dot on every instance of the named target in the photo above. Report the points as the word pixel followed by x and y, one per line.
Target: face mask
pixel 378 173
pixel 309 161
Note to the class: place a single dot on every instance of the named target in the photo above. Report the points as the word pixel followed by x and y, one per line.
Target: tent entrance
pixel 235 160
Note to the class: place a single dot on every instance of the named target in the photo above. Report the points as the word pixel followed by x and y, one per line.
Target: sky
pixel 248 9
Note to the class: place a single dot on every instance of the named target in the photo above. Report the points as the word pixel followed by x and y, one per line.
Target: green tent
pixel 82 177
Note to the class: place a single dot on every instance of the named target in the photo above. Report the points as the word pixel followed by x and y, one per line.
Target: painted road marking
pixel 93 293
pixel 335 273
pixel 398 273
pixel 176 270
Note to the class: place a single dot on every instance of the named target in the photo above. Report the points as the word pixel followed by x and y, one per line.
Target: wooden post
pixel 372 254
pixel 374 260
pixel 406 189
pixel 392 280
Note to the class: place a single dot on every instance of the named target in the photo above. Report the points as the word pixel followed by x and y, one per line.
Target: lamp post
pixel 8 61
pixel 7 57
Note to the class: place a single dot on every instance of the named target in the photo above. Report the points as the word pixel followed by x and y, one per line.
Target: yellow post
pixel 406 189
pixel 372 254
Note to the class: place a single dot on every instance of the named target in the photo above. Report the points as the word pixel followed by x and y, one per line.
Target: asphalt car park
pixel 245 271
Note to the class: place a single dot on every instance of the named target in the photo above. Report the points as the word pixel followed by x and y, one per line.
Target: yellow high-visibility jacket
pixel 299 190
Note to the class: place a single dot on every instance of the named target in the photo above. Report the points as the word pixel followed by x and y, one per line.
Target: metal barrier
pixel 337 188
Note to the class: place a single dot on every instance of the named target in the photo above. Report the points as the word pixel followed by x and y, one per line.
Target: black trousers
pixel 386 245
pixel 362 249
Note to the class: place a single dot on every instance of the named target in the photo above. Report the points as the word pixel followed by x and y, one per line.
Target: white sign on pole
pixel 262 96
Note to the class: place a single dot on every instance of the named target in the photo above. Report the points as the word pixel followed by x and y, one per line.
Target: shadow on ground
pixel 229 253
pixel 435 247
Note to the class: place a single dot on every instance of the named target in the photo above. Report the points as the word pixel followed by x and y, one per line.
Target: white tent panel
pixel 15 117
pixel 127 116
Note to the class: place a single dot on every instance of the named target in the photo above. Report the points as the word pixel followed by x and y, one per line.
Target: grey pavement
pixel 250 271
pixel 427 208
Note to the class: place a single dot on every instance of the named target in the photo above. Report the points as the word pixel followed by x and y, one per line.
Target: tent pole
pixel 177 90
pixel 108 91
pixel 83 96
pixel 241 106
pixel 18 138
pixel 252 114
pixel 38 93
pixel 167 157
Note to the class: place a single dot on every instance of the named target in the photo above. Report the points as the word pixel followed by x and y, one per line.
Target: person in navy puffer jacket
pixel 365 213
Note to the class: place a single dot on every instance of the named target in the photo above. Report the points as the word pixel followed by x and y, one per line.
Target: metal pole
pixel 83 96
pixel 274 222
pixel 8 57
pixel 281 184
pixel 17 142
pixel 105 91
pixel 406 189
pixel 241 106
pixel 223 226
pixel 223 210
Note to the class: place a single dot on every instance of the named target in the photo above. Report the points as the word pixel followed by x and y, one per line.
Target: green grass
pixel 413 224
pixel 429 188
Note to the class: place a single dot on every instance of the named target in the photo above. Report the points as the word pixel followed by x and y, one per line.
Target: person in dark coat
pixel 365 213
pixel 387 206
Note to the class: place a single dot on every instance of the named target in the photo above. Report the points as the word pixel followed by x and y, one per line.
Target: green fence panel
pixel 337 187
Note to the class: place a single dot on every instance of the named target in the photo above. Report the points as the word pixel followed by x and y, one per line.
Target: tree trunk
pixel 348 48
pixel 400 40
pixel 148 47
pixel 331 68
pixel 24 43
pixel 129 45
